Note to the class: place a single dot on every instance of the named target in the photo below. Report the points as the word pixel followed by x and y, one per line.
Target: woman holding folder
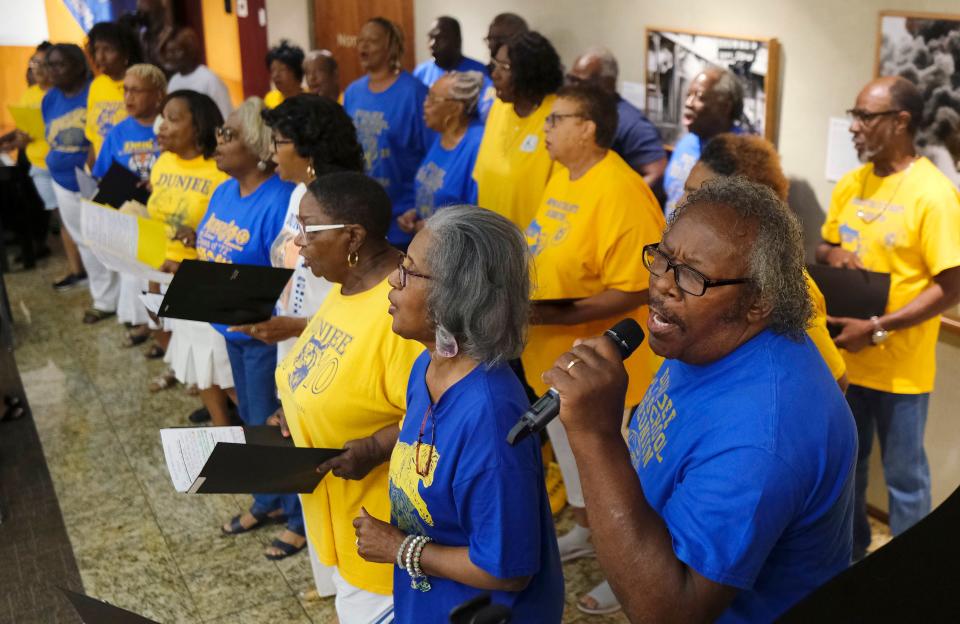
pixel 469 513
pixel 343 384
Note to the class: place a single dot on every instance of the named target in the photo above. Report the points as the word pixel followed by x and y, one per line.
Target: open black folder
pixel 231 294
pixel 119 185
pixel 854 293
pixel 240 460
pixel 93 611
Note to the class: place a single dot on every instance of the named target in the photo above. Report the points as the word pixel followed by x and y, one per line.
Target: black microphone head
pixel 627 335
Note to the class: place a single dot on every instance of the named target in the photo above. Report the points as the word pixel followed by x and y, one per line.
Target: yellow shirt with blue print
pixel 346 378
pixel 587 237
pixel 180 195
pixel 908 225
pixel 105 109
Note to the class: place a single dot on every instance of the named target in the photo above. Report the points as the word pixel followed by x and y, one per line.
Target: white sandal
pixel 603 596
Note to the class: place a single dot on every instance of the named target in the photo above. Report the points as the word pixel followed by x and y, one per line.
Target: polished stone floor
pixel 138 543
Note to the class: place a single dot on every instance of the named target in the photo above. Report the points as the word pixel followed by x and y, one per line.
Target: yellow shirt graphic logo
pixel 407 505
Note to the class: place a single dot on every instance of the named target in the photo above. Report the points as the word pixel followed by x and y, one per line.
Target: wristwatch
pixel 879 333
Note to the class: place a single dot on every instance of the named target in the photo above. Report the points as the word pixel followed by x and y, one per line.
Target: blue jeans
pixel 899 420
pixel 253 364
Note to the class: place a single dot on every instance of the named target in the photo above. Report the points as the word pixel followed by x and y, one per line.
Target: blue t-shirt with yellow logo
pixel 473 490
pixel 132 145
pixel 394 138
pixel 241 230
pixel 64 120
pixel 749 460
pixel 445 178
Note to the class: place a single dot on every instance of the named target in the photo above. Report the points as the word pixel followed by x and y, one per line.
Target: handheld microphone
pixel 626 335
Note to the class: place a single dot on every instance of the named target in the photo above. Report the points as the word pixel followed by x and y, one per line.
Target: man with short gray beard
pixel 897 214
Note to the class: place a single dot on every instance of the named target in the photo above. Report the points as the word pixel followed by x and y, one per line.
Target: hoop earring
pixel 445 343
pixel 353 258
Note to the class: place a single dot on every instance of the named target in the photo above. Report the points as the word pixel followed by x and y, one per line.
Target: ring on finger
pixel 573 363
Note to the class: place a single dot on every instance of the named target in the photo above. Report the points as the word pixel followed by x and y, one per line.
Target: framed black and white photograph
pixel 925 49
pixel 674 57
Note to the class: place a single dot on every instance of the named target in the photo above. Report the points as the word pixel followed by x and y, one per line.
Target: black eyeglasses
pixel 552 119
pixel 277 142
pixel 403 272
pixel 856 114
pixel 689 280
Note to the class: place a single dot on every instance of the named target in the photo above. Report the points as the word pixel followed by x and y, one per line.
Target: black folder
pixel 854 293
pixel 231 294
pixel 253 468
pixel 93 611
pixel 119 185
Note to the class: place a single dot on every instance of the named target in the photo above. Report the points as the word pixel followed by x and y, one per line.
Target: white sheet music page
pixel 186 450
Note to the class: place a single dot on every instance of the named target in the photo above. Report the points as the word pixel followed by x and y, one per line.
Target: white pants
pixel 44 185
pixel 129 307
pixel 104 284
pixel 568 465
pixel 322 574
pixel 358 606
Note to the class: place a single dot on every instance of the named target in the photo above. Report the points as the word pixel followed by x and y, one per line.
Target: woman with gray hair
pixel 445 177
pixel 245 215
pixel 469 514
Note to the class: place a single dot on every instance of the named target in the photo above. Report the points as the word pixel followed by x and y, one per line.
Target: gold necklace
pixel 861 214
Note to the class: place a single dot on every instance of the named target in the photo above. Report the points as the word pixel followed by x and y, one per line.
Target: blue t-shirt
pixel 65 121
pixel 750 462
pixel 428 72
pixel 394 138
pixel 637 140
pixel 685 155
pixel 132 145
pixel 445 178
pixel 478 493
pixel 241 230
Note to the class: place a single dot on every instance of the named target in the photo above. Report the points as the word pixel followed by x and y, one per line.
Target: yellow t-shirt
pixel 910 228
pixel 819 333
pixel 36 149
pixel 272 99
pixel 588 237
pixel 181 192
pixel 105 109
pixel 513 165
pixel 344 379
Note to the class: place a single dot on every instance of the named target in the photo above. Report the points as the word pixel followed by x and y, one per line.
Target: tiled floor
pixel 139 544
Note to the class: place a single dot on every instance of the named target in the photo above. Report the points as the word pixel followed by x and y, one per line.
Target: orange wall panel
pixel 61 24
pixel 13 79
pixel 222 41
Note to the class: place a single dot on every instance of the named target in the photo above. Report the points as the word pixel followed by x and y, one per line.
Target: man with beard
pixel 714 104
pixel 732 498
pixel 897 214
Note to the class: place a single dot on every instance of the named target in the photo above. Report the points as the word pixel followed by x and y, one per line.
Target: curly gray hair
pixel 480 291
pixel 465 88
pixel 776 254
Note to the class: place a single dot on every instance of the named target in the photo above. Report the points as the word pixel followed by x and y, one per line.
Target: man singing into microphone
pixel 733 498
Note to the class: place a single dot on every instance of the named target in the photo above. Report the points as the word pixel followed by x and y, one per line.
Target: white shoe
pixel 575 543
pixel 603 596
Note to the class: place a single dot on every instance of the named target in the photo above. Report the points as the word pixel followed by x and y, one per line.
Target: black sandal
pixel 287 549
pixel 236 528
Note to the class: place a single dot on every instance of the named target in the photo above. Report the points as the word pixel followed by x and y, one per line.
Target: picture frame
pixel 674 56
pixel 925 49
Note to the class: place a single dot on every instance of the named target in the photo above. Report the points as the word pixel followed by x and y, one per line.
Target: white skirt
pixel 198 354
pixel 129 307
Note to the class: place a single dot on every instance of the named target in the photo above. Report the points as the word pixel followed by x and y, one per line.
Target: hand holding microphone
pixel 587 380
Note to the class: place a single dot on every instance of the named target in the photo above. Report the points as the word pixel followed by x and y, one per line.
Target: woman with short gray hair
pixel 469 513
pixel 445 177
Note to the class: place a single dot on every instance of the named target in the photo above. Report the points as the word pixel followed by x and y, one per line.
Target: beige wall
pixel 828 48
pixel 290 19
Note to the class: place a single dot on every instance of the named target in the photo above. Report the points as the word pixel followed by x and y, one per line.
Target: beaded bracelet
pixel 403 547
pixel 418 579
